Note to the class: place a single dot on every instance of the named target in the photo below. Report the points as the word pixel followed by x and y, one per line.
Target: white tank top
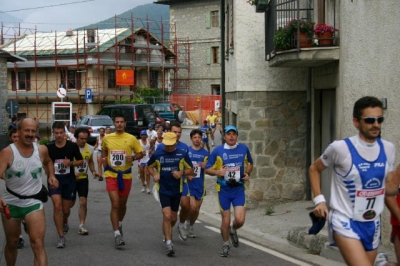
pixel 99 141
pixel 24 177
pixel 146 149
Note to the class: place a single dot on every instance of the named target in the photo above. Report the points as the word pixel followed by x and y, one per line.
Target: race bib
pixel 204 135
pixel 197 169
pixel 368 204
pixel 60 168
pixel 83 168
pixel 212 124
pixel 232 173
pixel 118 158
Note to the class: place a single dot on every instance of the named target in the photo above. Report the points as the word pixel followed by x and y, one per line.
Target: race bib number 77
pixel 368 204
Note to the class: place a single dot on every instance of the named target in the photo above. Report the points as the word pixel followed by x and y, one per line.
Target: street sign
pixel 12 107
pixel 61 93
pixel 88 95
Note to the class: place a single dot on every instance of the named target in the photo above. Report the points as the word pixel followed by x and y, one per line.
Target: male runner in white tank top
pixel 361 178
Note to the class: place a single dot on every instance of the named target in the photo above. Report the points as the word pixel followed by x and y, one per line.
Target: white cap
pixel 168 122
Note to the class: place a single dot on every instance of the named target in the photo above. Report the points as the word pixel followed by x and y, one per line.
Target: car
pixel 169 111
pixel 94 123
pixel 137 116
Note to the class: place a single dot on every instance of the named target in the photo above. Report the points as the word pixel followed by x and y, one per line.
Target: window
pixel 215 90
pixel 215 54
pixel 153 79
pixel 215 19
pixel 71 79
pixel 111 78
pixel 21 80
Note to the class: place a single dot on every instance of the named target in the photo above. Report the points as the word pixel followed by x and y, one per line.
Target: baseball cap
pixel 151 125
pixel 72 126
pixel 230 128
pixel 169 138
pixel 168 122
pixel 143 132
pixel 317 224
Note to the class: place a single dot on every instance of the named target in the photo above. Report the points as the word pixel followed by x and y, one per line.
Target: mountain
pixel 11 20
pixel 152 13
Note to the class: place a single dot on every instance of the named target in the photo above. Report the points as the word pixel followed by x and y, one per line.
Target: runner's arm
pixel 393 182
pixel 393 207
pixel 5 162
pixel 315 179
pixel 48 166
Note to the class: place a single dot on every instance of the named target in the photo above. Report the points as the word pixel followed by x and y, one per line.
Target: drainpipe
pixel 308 133
pixel 222 27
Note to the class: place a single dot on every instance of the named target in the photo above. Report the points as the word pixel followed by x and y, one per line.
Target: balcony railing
pixel 289 18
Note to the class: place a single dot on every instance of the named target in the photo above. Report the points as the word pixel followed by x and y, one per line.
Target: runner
pixel 171 164
pixel 142 163
pixel 82 185
pixel 65 156
pixel 22 164
pixel 361 165
pixel 211 118
pixel 219 120
pixel 199 157
pixel 98 147
pixel 151 134
pixel 117 150
pixel 206 131
pixel 232 164
pixel 159 139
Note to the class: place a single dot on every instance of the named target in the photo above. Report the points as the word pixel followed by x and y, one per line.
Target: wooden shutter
pixel 13 81
pixel 208 19
pixel 27 80
pixel 208 56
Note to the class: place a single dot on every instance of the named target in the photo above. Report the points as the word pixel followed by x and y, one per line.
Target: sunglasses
pixel 373 119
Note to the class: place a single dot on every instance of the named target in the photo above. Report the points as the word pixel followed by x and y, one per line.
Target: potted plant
pixel 324 34
pixel 261 5
pixel 302 30
pixel 282 39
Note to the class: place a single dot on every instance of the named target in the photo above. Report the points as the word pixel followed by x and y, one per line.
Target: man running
pixel 196 182
pixel 22 164
pixel 171 164
pixel 159 139
pixel 232 164
pixel 117 150
pixel 97 146
pixel 151 134
pixel 65 156
pixel 82 185
pixel 360 179
pixel 212 119
pixel 142 163
pixel 206 131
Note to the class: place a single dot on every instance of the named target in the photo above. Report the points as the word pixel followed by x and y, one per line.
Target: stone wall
pixel 3 95
pixel 273 125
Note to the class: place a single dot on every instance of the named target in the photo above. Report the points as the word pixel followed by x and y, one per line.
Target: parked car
pixel 94 123
pixel 169 111
pixel 137 116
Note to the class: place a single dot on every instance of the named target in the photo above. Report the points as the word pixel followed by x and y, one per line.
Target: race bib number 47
pixel 118 158
pixel 368 204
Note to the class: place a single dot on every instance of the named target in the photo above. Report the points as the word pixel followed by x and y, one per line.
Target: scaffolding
pixel 88 58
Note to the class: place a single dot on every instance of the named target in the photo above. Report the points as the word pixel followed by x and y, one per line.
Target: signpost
pixel 12 107
pixel 88 95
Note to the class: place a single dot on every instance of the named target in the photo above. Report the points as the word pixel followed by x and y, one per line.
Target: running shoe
pixel 183 234
pixel 380 258
pixel 191 232
pixel 170 250
pixel 225 251
pixel 24 225
pixel 65 228
pixel 61 242
pixel 212 143
pixel 83 231
pixel 120 230
pixel 148 190
pixel 119 241
pixel 21 243
pixel 234 237
pixel 101 178
pixel 143 189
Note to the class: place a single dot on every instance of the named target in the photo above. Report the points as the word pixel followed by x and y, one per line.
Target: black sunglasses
pixel 373 119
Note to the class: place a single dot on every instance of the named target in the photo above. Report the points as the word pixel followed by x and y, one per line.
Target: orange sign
pixel 125 77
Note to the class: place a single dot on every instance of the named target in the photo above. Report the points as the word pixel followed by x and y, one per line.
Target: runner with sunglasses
pixel 362 176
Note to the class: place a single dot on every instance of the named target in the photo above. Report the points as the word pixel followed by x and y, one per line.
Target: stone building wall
pixel 273 125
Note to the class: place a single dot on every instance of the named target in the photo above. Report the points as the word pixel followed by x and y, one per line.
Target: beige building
pixel 91 58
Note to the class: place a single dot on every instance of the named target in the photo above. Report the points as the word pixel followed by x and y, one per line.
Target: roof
pixel 69 44
pixel 10 57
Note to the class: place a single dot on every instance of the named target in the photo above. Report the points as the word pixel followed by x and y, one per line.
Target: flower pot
pixel 325 39
pixel 261 6
pixel 305 40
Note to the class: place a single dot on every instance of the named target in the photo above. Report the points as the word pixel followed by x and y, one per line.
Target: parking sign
pixel 88 95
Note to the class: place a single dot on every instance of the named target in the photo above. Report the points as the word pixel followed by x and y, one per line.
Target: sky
pixel 68 14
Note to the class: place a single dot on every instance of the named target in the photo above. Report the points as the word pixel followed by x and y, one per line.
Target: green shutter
pixel 208 56
pixel 221 54
pixel 208 19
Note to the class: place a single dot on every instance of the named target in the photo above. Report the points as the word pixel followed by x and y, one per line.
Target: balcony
pixel 290 37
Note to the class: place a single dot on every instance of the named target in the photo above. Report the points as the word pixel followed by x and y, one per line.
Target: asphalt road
pixel 143 237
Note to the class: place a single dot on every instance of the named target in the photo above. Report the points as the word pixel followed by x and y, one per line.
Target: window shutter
pixel 28 81
pixel 13 81
pixel 208 56
pixel 208 19
pixel 78 81
pixel 221 54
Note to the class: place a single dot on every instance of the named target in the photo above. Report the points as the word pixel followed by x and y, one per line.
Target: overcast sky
pixel 70 13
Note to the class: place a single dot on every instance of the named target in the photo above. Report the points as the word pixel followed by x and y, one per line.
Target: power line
pixel 39 7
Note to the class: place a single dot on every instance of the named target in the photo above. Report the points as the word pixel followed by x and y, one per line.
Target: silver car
pixel 94 123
